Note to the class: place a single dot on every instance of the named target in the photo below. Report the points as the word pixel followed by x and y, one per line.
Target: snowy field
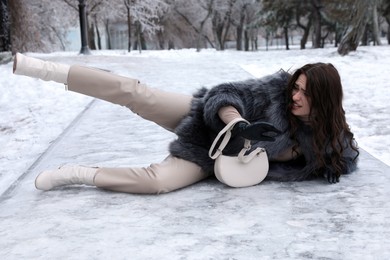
pixel 310 220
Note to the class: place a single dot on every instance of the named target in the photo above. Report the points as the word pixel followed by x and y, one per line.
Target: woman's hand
pixel 259 131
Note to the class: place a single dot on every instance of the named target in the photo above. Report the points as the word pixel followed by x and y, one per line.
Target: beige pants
pixel 164 108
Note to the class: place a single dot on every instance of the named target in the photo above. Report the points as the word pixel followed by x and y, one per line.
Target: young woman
pixel 310 137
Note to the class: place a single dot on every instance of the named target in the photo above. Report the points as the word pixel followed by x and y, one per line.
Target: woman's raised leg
pixel 164 108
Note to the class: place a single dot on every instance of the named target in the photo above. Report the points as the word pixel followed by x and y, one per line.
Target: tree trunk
pixel 99 39
pixel 5 36
pixel 224 35
pixel 317 24
pixel 171 45
pixel 246 40
pixel 198 31
pixel 106 25
pixel 200 34
pixel 221 27
pixel 365 40
pixel 355 30
pixel 338 35
pixel 160 39
pixel 306 32
pixel 90 32
pixel 388 29
pixel 306 28
pixel 267 36
pixel 239 31
pixel 375 23
pixel 217 31
pixel 91 36
pixel 285 30
pixel 24 36
pixel 128 29
pixel 143 41
pixel 140 43
pixel 137 43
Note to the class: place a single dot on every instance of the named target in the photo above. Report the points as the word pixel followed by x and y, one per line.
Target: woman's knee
pixel 173 174
pixel 160 183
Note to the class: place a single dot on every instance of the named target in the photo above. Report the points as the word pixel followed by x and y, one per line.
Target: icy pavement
pixel 306 220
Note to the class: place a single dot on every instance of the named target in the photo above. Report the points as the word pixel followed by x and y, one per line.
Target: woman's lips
pixel 295 106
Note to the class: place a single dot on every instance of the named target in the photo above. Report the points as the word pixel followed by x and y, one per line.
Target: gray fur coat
pixel 261 99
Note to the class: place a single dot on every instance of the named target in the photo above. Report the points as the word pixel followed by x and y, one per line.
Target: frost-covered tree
pixel 246 20
pixel 279 14
pixel 41 25
pixel 303 19
pixel 354 32
pixel 197 15
pixel 213 22
pixel 335 16
pixel 222 13
pixel 176 29
pixel 144 14
pixel 107 15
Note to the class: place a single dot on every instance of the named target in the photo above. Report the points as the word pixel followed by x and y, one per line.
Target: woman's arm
pixel 228 113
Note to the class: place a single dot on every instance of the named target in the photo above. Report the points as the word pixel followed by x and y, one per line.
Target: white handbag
pixel 242 170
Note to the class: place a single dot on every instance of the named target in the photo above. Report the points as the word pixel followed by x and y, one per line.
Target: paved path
pixel 308 220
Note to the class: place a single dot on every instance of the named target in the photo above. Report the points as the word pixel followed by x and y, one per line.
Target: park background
pixel 42 126
pixel 244 25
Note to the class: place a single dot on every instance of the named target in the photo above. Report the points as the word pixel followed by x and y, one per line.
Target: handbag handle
pixel 227 129
pixel 247 158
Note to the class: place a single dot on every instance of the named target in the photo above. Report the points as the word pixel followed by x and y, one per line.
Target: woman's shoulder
pixel 271 83
pixel 280 77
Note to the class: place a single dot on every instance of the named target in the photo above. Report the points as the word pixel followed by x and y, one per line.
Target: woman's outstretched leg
pixel 166 109
pixel 171 174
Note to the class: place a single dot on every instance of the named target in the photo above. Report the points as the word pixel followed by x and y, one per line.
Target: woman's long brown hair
pixel 327 116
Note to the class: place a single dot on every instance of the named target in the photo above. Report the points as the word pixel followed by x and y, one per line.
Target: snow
pixel 38 130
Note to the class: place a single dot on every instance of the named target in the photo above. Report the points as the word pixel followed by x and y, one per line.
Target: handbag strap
pixel 227 131
pixel 247 158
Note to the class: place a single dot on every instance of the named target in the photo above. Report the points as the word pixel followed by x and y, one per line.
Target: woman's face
pixel 301 101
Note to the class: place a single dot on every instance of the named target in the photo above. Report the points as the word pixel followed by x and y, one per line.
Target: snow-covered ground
pixel 206 221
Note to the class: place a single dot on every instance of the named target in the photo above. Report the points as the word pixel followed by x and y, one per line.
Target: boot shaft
pixel 44 70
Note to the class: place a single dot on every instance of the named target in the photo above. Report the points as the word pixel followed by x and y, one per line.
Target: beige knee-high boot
pixel 36 68
pixel 66 175
pixel 164 108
